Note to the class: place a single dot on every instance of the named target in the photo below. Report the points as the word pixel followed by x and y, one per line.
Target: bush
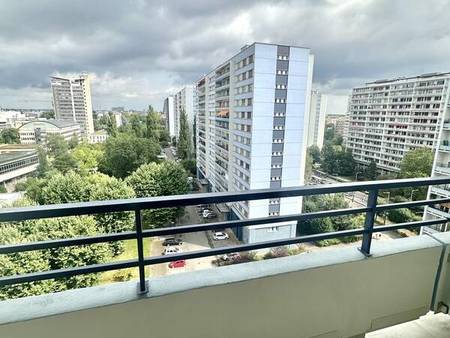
pixel 122 276
pixel 277 252
pixel 401 215
pixel 2 188
pixel 21 186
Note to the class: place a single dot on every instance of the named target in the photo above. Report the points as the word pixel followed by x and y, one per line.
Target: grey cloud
pixel 145 49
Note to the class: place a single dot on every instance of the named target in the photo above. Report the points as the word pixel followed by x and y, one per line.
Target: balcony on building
pixel 373 289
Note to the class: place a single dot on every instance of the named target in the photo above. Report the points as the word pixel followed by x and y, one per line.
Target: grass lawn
pixel 129 253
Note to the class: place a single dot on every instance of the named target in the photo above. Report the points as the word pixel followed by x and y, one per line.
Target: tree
pixel 51 259
pixel 371 171
pixel 159 179
pixel 56 144
pixel 9 136
pixel 125 153
pixel 50 114
pixel 43 166
pixel 153 124
pixel 314 152
pixel 329 159
pixel 111 125
pixel 88 157
pixel 73 142
pixel 184 146
pixel 64 162
pixel 345 163
pixel 417 163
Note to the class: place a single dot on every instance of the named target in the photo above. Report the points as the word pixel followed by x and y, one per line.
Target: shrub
pixel 277 252
pixel 122 276
pixel 401 215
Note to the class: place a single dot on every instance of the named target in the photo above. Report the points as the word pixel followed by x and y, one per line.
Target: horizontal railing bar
pixel 408 204
pixel 96 207
pixel 69 272
pixel 58 243
pixel 249 222
pixel 408 225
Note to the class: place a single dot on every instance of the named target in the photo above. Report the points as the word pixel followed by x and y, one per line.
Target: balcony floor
pixel 428 326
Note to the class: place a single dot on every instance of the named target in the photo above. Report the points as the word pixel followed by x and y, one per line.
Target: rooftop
pixel 56 123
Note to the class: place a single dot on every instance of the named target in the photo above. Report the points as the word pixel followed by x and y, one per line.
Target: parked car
pixel 220 236
pixel 172 241
pixel 169 250
pixel 177 264
pixel 210 215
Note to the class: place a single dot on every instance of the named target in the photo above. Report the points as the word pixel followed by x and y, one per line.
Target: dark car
pixel 172 241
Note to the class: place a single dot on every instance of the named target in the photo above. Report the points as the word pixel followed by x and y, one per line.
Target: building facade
pixel 37 131
pixel 17 161
pixel 338 121
pixel 316 123
pixel 72 101
pixel 388 118
pixel 252 122
pixel 99 136
pixel 169 113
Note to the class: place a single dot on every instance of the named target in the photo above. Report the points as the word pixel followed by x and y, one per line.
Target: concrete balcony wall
pixel 328 293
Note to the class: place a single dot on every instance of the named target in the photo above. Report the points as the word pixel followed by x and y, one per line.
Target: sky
pixel 139 52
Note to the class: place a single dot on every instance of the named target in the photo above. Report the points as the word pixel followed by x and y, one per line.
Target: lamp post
pixel 385 213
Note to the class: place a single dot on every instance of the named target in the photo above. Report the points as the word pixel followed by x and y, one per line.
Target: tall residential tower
pixel 252 121
pixel 72 101
pixel 316 123
pixel 388 118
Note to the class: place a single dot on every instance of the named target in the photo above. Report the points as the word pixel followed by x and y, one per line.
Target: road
pixel 169 154
pixel 192 242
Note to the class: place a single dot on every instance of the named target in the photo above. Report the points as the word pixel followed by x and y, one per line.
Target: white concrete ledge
pixel 80 299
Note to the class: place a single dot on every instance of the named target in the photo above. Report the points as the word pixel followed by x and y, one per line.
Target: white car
pixel 170 250
pixel 220 236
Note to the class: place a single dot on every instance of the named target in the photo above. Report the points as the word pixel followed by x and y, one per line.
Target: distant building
pixel 118 109
pixel 16 161
pixel 252 114
pixel 98 136
pixel 338 121
pixel 183 100
pixel 37 131
pixel 72 101
pixel 388 118
pixel 117 118
pixel 316 125
pixel 169 112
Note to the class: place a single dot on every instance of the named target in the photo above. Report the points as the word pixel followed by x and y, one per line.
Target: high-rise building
pixel 252 121
pixel 388 118
pixel 72 101
pixel 339 122
pixel 316 123
pixel 183 100
pixel 169 112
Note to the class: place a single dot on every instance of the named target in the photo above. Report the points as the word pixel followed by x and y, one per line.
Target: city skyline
pixel 137 66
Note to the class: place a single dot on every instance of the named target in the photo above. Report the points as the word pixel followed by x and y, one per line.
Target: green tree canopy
pixel 87 156
pixel 371 171
pixel 125 153
pixel 417 163
pixel 314 152
pixel 159 179
pixel 184 145
pixel 9 136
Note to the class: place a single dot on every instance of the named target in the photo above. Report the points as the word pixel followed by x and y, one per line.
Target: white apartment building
pixel 388 118
pixel 316 123
pixel 99 136
pixel 169 112
pixel 183 100
pixel 37 131
pixel 252 122
pixel 72 101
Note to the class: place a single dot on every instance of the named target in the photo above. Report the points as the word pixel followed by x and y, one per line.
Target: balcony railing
pixel 138 204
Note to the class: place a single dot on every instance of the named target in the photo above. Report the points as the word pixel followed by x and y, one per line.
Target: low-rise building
pixel 37 131
pixel 17 161
pixel 98 136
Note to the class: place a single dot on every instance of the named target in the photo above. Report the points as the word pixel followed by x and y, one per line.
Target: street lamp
pixel 385 213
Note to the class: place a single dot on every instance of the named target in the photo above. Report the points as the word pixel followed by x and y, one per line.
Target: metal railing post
pixel 140 249
pixel 369 222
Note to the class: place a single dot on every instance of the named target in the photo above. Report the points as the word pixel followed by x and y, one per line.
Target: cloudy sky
pixel 140 51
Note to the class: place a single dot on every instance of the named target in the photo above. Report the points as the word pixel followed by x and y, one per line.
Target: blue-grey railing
pixel 139 204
